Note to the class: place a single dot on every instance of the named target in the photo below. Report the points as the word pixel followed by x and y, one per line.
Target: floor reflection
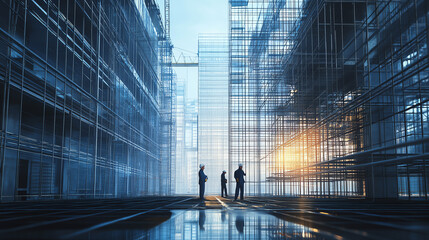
pixel 231 224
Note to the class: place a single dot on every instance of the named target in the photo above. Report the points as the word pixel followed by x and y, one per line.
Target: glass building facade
pixel 191 146
pixel 180 183
pixel 257 43
pixel 330 98
pixel 186 162
pixel 80 97
pixel 213 108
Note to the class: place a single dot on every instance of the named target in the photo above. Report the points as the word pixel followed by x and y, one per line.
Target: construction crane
pixel 183 60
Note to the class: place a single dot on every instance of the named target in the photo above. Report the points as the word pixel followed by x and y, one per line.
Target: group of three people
pixel 238 176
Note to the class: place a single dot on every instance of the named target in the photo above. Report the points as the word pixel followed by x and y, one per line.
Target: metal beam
pixel 185 64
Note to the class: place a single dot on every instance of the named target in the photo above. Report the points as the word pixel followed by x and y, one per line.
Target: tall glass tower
pixel 213 107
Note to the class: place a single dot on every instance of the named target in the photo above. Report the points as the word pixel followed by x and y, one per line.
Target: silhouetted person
pixel 239 224
pixel 202 220
pixel 223 216
pixel 202 181
pixel 223 182
pixel 239 178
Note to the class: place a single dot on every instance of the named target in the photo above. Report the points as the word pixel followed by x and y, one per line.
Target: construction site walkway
pixel 216 218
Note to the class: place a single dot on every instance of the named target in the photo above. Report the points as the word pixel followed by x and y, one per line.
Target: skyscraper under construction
pixel 330 98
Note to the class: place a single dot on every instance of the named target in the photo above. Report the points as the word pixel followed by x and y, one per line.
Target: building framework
pixel 346 115
pixel 213 61
pixel 81 98
pixel 187 141
pixel 258 41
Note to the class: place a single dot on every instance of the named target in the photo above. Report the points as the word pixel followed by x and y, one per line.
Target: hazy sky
pixel 188 18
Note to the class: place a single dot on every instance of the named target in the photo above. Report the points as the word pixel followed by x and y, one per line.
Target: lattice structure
pixel 168 115
pixel 213 60
pixel 80 97
pixel 257 45
pixel 346 115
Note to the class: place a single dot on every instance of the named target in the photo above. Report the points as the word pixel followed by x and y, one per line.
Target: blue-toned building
pixel 213 60
pixel 80 97
pixel 329 99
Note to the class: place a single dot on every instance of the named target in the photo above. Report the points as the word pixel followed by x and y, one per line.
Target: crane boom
pixel 182 61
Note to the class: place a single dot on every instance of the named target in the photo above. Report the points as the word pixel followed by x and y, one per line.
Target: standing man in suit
pixel 202 181
pixel 239 178
pixel 223 182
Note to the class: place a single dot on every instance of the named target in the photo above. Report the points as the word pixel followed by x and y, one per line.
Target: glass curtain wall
pixel 186 167
pixel 213 108
pixel 79 98
pixel 180 166
pixel 191 146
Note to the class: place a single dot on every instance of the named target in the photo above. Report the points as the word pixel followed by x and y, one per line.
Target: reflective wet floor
pixel 232 224
pixel 216 218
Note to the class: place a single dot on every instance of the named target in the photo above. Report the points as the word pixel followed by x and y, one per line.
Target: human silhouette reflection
pixel 223 216
pixel 202 219
pixel 239 223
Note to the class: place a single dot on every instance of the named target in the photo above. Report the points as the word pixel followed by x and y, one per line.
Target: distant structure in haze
pixel 213 107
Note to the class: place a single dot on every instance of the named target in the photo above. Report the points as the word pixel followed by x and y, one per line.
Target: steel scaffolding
pixel 82 100
pixel 167 99
pixel 168 115
pixel 330 98
pixel 258 33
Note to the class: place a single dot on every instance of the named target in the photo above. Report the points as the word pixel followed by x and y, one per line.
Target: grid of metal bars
pixel 346 115
pixel 213 107
pixel 67 69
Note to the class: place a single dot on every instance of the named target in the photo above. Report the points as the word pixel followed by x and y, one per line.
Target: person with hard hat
pixel 239 178
pixel 223 182
pixel 202 181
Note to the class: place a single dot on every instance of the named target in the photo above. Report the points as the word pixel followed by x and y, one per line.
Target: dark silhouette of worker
pixel 202 219
pixel 239 178
pixel 239 223
pixel 202 181
pixel 223 182
pixel 223 216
